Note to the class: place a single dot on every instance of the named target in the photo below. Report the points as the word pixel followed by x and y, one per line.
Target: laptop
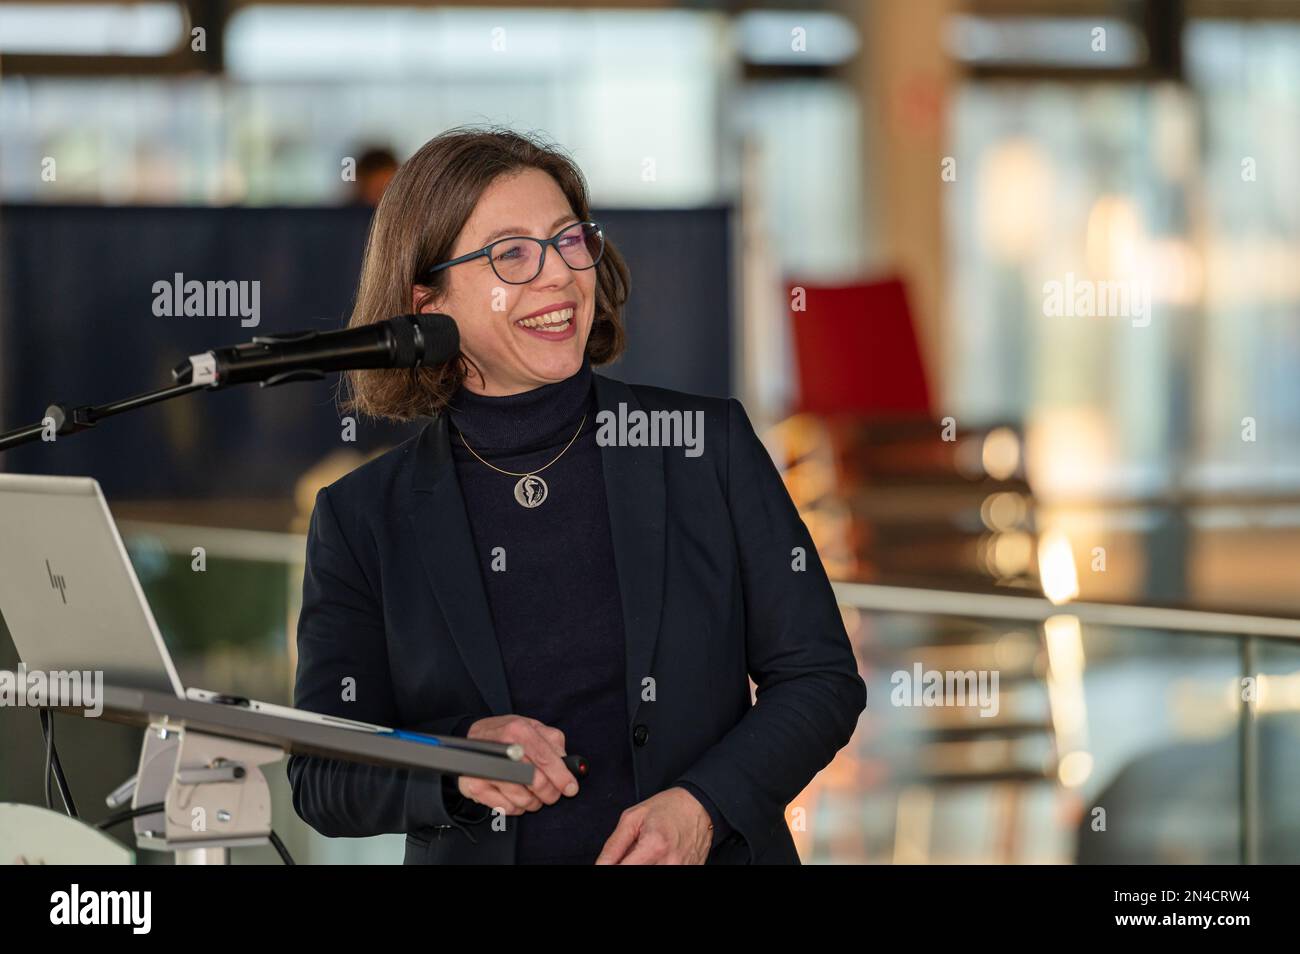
pixel 71 600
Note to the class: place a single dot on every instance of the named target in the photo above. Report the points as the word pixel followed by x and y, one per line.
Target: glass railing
pixel 1006 729
pixel 998 729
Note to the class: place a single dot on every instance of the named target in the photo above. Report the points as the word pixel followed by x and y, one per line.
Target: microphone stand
pixel 72 420
pixel 433 334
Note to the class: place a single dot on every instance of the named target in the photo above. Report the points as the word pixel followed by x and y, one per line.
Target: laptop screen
pixel 69 596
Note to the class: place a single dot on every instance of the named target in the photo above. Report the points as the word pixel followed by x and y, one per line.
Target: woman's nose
pixel 555 270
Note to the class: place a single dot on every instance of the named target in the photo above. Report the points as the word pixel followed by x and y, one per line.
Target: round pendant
pixel 530 491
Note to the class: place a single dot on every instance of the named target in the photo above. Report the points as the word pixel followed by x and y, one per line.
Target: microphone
pixel 407 341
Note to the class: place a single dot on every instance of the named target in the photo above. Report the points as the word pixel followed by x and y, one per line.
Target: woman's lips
pixel 557 325
pixel 568 332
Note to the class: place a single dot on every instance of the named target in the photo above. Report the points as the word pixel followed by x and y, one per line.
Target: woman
pixel 524 571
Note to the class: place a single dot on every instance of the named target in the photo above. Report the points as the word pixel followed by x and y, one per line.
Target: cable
pixel 49 754
pixel 283 851
pixel 54 768
pixel 64 790
pixel 128 814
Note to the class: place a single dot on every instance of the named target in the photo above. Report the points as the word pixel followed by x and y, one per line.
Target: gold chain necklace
pixel 530 489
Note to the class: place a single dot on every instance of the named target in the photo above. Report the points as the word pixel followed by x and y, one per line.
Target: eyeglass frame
pixel 485 252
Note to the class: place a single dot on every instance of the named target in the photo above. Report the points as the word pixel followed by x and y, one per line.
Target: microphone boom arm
pixel 404 341
pixel 73 420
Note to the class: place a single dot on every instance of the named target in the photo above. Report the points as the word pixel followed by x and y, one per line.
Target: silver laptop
pixel 71 600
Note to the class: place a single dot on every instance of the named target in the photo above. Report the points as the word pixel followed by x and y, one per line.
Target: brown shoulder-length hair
pixel 423 210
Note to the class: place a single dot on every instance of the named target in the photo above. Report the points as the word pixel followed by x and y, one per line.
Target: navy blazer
pixel 713 589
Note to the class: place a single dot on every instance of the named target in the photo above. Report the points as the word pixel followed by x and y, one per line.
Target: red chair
pixel 856 351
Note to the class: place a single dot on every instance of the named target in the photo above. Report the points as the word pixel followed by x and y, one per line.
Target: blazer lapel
pixel 634 489
pixel 448 552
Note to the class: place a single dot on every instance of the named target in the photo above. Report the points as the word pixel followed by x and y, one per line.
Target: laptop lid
pixel 68 593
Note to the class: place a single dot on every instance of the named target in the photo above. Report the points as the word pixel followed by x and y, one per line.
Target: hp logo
pixel 57 582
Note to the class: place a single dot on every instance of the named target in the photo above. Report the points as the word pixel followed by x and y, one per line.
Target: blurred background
pixel 1011 288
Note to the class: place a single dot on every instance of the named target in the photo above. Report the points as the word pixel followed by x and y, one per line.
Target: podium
pixel 202 762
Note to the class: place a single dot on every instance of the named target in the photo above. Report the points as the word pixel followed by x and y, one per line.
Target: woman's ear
pixel 423 300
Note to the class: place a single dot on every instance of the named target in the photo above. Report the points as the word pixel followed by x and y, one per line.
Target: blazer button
pixel 641 735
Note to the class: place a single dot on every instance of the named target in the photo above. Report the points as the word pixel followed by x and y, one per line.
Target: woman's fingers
pixel 621 840
pixel 506 797
pixel 554 736
pixel 544 747
pixel 521 796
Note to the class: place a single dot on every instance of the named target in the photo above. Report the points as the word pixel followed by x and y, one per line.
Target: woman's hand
pixel 671 828
pixel 543 748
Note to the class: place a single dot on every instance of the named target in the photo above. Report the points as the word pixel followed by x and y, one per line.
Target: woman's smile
pixel 553 323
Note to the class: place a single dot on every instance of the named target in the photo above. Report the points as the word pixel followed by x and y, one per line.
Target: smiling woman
pixel 516 574
pixel 463 193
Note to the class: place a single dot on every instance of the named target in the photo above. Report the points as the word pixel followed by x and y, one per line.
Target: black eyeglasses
pixel 518 259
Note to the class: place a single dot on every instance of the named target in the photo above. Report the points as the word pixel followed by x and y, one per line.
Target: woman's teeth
pixel 551 321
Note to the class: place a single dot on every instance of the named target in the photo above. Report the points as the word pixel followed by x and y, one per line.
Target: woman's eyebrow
pixel 516 230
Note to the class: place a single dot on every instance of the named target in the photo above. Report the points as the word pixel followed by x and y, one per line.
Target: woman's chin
pixel 554 360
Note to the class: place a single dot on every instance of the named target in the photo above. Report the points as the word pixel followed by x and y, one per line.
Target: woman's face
pixel 514 357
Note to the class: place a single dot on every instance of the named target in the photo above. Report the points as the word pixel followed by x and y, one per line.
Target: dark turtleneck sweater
pixel 556 607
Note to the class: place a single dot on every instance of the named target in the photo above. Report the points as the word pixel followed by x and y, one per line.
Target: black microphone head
pixel 404 349
pixel 439 336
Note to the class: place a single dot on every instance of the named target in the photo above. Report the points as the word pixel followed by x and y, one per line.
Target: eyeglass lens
pixel 519 260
